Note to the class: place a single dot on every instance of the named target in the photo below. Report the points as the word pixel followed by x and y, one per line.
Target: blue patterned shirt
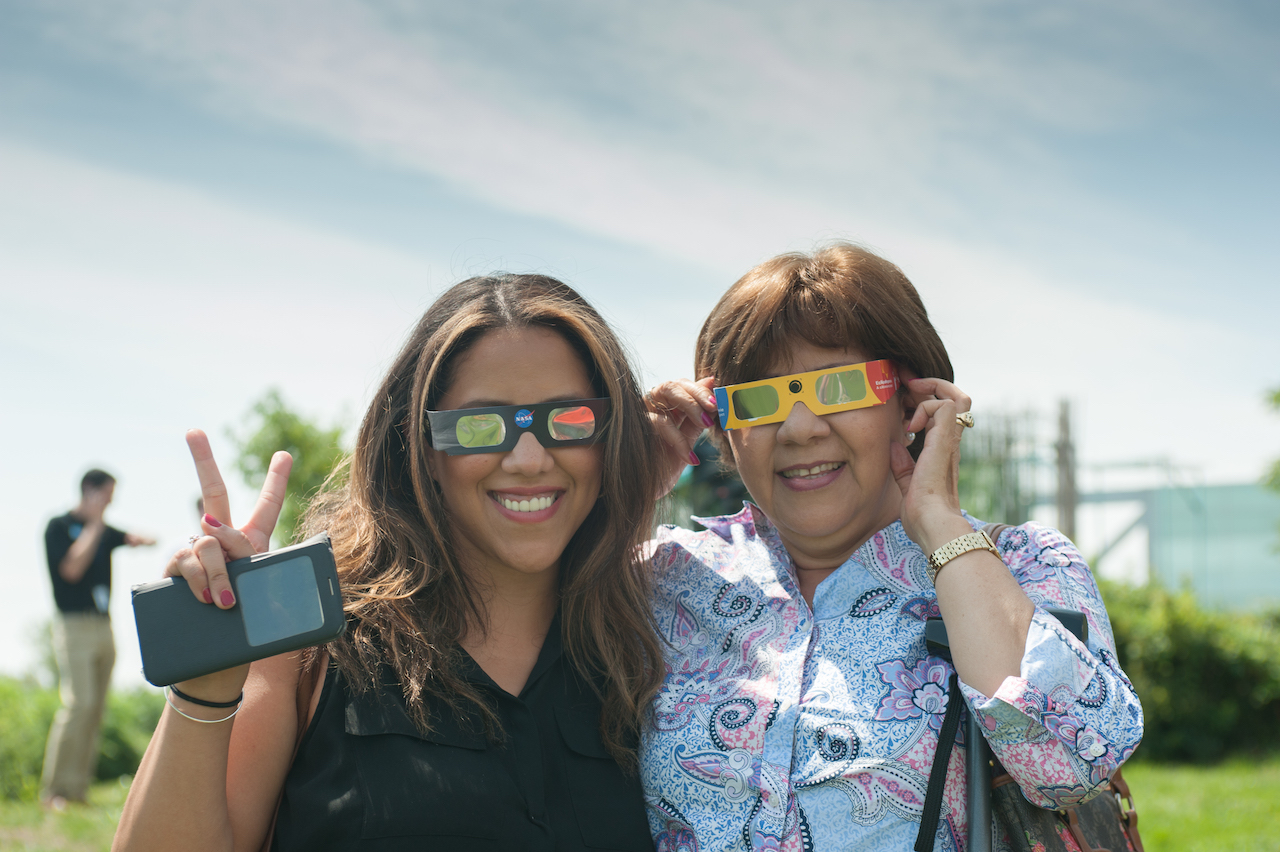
pixel 780 726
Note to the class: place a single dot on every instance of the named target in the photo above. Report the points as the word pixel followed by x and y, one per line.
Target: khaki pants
pixel 86 652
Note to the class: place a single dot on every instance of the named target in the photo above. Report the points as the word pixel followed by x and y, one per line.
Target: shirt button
pixel 1097 750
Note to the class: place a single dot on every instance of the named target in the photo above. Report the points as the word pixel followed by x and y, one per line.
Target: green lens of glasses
pixel 571 424
pixel 841 388
pixel 480 430
pixel 750 403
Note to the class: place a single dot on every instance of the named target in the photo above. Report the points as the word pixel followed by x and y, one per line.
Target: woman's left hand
pixel 679 411
pixel 930 484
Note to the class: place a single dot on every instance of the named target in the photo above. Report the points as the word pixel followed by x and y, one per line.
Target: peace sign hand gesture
pixel 204 564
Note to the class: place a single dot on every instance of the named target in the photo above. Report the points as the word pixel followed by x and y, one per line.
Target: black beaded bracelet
pixel 201 702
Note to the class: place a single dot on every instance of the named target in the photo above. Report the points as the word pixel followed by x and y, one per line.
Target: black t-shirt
pixel 366 779
pixel 93 591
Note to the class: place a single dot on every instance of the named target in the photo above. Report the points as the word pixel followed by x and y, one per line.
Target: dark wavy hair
pixel 840 295
pixel 409 601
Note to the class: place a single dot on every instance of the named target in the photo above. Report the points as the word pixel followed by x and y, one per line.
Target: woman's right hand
pixel 679 411
pixel 204 564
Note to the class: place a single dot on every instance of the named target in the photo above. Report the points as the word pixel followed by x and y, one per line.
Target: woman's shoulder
pixel 719 533
pixel 1045 562
pixel 738 548
pixel 1027 539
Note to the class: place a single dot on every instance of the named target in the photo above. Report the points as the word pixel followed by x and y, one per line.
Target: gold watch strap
pixel 973 541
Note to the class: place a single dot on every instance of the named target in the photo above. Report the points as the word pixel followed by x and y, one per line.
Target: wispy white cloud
pixel 714 131
pixel 723 132
pixel 726 125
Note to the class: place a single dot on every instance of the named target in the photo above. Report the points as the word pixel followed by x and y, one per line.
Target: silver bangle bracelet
pixel 169 700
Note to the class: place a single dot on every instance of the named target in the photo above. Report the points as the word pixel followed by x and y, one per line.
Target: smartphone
pixel 285 600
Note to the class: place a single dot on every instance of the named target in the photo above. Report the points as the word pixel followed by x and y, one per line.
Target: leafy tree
pixel 1271 478
pixel 316 452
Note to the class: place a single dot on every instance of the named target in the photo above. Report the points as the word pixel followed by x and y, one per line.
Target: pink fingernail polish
pixel 227 598
pixel 208 596
pixel 693 458
pixel 707 421
pixel 211 520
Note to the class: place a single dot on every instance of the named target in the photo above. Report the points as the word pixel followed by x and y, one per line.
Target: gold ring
pixel 965 419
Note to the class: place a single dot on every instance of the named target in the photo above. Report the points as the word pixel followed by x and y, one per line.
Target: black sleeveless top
pixel 365 778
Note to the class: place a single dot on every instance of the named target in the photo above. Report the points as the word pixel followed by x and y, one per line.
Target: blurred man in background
pixel 79 546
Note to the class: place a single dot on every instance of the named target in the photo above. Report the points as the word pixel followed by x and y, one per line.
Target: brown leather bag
pixel 1106 823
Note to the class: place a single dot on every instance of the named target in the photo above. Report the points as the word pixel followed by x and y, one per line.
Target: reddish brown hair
pixel 838 296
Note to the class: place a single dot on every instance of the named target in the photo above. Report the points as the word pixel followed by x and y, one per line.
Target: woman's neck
pixel 518 612
pixel 814 559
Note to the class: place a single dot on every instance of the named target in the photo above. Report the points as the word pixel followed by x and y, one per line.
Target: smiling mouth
pixel 527 504
pixel 797 473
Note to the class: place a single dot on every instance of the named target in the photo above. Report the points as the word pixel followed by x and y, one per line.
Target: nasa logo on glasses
pixel 524 418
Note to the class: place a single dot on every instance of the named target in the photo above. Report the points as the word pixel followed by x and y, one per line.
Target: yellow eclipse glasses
pixel 822 391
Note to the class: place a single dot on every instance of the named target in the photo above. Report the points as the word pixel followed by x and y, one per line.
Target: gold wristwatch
pixel 973 541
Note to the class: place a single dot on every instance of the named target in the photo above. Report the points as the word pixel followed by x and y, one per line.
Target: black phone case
pixel 182 638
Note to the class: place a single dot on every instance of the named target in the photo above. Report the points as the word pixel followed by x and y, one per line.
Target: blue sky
pixel 200 200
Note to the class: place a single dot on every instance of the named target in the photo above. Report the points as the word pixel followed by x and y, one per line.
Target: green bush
pixel 26 711
pixel 1209 681
pixel 127 726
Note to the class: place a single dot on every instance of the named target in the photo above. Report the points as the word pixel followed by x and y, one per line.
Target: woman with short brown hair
pixel 801 708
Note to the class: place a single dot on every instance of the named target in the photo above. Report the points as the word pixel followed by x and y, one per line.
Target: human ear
pixel 906 411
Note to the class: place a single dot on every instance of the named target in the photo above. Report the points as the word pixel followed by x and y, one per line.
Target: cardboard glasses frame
pixel 822 391
pixel 497 428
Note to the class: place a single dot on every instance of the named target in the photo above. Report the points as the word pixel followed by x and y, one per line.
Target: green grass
pixel 27 827
pixel 1231 806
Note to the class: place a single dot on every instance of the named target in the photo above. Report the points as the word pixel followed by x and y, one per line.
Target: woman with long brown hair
pixel 499 651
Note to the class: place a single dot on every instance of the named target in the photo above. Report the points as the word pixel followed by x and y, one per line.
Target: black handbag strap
pixel 938 773
pixel 946 744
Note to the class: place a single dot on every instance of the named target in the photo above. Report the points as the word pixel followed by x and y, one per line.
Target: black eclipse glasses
pixel 496 429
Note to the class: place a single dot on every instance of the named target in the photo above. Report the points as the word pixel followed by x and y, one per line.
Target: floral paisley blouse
pixel 781 726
